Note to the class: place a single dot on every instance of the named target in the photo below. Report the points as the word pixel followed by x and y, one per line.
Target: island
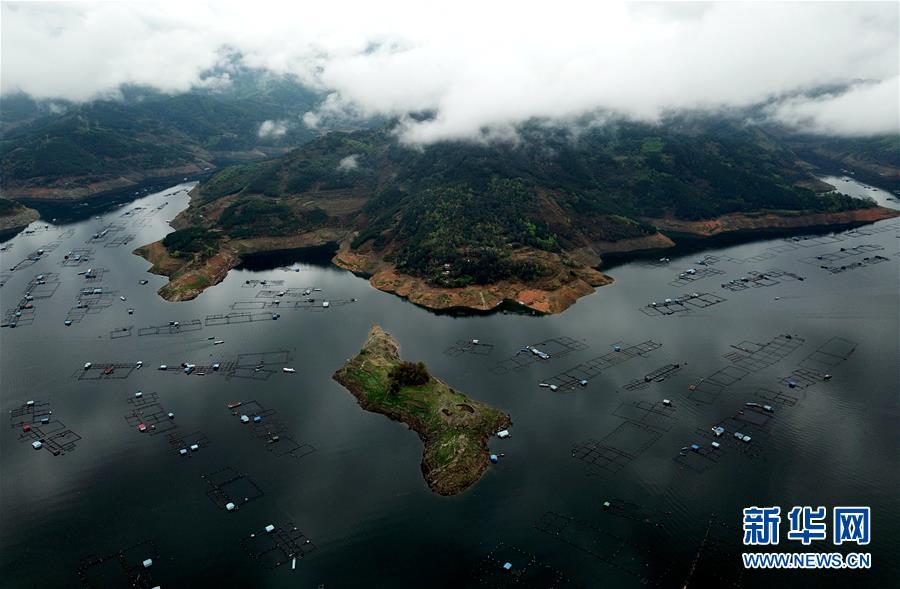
pixel 454 428
pixel 463 226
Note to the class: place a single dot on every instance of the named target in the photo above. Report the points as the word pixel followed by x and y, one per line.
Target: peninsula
pixel 454 428
pixel 463 225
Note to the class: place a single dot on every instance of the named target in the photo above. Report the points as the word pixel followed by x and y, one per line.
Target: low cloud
pixel 272 129
pixel 349 163
pixel 864 109
pixel 481 77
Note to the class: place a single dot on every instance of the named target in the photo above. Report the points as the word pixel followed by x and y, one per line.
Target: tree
pixel 405 374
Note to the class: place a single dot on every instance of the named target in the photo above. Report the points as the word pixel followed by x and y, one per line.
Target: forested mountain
pixel 59 145
pixel 453 212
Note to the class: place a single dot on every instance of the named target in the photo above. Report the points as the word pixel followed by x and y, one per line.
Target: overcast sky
pixel 482 66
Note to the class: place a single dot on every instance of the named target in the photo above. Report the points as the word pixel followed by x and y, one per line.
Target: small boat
pixel 325 304
pixel 108 370
pixel 288 370
pixel 67 322
pixel 235 405
pixel 87 365
pixel 139 363
pixel 122 297
pixel 218 342
pixel 163 367
pixel 142 427
pixel 215 366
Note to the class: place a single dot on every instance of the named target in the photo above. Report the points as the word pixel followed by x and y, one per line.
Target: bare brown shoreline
pixel 572 275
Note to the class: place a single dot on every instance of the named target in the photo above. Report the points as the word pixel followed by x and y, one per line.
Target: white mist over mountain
pixel 481 68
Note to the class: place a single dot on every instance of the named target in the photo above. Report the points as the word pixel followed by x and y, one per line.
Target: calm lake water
pixel 350 481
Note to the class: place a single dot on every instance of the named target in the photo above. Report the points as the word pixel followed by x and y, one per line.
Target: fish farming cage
pixel 686 278
pixel 654 415
pixel 278 547
pixel 172 328
pixel 703 300
pixel 145 400
pixel 120 240
pixel 123 568
pixel 525 570
pixel 472 347
pixel 96 275
pixel 258 283
pixel 717 562
pixel 802 378
pixel 665 309
pixel 239 317
pixel 77 257
pixel 682 304
pixel 44 287
pixel 625 557
pixel 252 409
pixel 89 303
pixel 844 252
pixel 104 234
pixel 30 413
pixel 779 398
pixel 830 354
pixel 867 261
pixel 704 457
pixel 552 348
pixel 153 416
pixel 814 240
pixel 182 445
pixel 752 356
pixel 761 279
pixel 271 431
pixel 229 486
pixel 633 512
pixel 278 358
pixel 121 332
pixel 705 392
pixel 287 292
pixel 106 371
pixel 54 437
pixel 18 317
pixel 28 261
pixel 661 374
pixel 575 376
pixel 249 306
pixel 617 449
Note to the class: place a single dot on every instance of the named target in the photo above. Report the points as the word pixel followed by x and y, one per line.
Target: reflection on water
pixel 350 480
